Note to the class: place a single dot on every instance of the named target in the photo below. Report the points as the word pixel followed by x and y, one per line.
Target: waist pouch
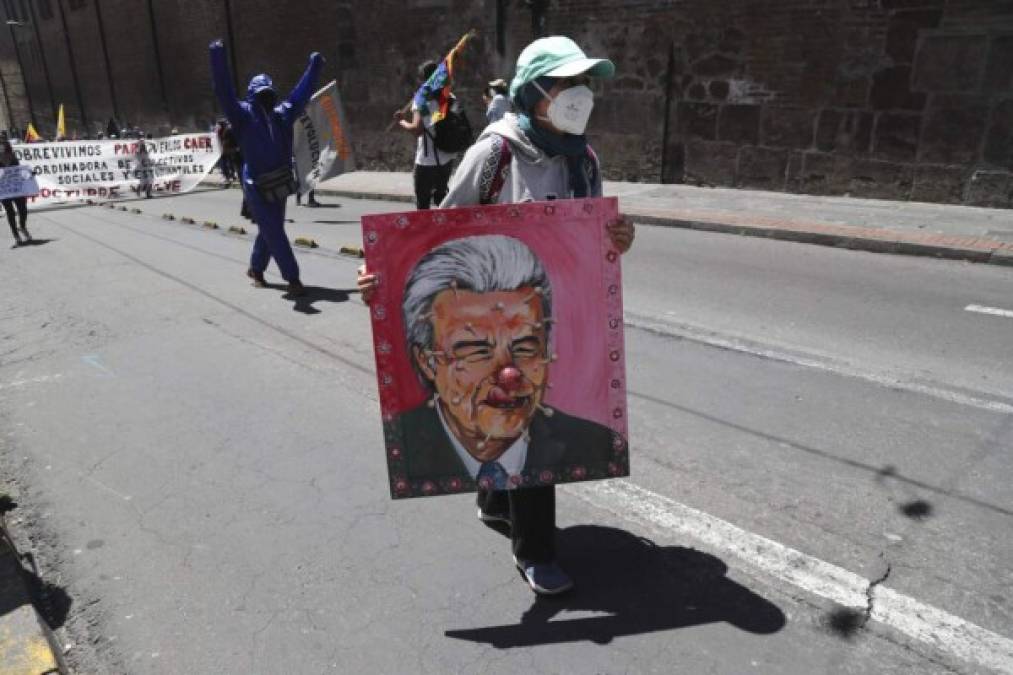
pixel 275 186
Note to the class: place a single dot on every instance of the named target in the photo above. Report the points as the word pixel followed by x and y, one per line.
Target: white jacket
pixel 531 176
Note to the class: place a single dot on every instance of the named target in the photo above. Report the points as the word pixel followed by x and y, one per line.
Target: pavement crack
pixel 870 592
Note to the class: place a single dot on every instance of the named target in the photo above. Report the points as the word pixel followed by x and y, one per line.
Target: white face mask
pixel 570 110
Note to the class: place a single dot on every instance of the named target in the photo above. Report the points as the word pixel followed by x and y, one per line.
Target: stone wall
pixel 900 99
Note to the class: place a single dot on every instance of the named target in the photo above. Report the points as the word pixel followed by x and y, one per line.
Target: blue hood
pixel 258 84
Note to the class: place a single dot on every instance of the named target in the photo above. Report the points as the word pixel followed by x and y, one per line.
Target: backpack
pixel 496 168
pixel 452 133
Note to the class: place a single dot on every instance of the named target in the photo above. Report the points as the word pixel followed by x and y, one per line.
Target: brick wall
pixel 904 99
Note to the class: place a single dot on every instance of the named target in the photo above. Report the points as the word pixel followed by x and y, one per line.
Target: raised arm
pixel 222 81
pixel 300 96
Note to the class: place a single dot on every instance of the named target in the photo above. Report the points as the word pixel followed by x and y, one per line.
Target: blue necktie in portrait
pixel 495 472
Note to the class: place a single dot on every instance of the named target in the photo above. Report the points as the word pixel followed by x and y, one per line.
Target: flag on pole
pixel 61 125
pixel 438 85
pixel 31 135
pixel 320 144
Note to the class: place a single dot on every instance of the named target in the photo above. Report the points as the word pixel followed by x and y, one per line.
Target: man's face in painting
pixel 488 365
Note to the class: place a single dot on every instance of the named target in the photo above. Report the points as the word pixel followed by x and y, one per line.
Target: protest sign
pixel 321 146
pixel 498 337
pixel 115 169
pixel 17 181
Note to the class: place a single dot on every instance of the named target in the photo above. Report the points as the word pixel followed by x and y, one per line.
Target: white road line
pixel 924 623
pixel 817 362
pixel 994 311
pixel 33 380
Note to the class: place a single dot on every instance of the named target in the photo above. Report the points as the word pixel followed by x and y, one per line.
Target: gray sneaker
pixel 544 578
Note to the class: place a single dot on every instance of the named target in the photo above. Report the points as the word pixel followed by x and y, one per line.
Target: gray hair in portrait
pixel 481 264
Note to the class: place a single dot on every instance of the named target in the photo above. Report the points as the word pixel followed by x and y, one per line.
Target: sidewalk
pixel 913 228
pixel 26 643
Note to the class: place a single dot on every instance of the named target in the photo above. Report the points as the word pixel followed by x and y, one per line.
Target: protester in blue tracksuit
pixel 263 128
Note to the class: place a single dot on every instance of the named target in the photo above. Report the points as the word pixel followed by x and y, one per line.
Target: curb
pixel 359 194
pixel 27 645
pixel 862 239
pixel 873 240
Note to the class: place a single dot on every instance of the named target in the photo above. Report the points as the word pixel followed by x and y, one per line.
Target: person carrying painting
pixel 538 153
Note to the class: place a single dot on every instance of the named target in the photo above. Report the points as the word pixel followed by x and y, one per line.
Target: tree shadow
pixel 639 586
pixel 314 294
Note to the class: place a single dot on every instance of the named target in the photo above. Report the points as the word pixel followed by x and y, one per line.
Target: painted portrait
pixel 498 341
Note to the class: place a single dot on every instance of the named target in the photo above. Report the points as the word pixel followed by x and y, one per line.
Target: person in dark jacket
pixel 263 128
pixel 7 158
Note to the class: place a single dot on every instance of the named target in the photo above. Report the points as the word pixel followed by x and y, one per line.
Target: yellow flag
pixel 31 135
pixel 61 124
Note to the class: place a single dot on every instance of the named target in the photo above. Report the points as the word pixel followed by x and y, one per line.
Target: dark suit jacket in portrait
pixel 562 448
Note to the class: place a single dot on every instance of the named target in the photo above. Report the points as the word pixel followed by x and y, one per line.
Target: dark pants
pixel 271 241
pixel 532 519
pixel 21 205
pixel 431 184
pixel 225 163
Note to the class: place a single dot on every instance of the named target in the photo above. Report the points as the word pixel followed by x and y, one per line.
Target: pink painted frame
pixel 589 378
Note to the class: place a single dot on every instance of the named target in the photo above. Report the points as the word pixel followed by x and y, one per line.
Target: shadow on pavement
pixel 315 294
pixel 34 242
pixel 639 586
pixel 51 600
pixel 337 222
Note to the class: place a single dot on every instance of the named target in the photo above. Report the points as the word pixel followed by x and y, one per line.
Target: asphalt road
pixel 200 465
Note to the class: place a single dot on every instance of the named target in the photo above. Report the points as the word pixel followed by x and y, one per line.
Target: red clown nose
pixel 509 378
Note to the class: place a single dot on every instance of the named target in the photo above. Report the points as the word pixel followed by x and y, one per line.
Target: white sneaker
pixel 545 578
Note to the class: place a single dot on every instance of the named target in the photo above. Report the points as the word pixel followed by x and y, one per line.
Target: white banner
pixel 17 181
pixel 321 146
pixel 115 169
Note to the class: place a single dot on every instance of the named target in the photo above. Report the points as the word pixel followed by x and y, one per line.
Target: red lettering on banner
pixel 199 143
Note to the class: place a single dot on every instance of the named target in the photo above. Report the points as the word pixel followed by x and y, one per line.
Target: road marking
pixel 682 331
pixel 924 623
pixel 33 380
pixel 93 361
pixel 994 311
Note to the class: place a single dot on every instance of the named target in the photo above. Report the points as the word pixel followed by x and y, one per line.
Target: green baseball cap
pixel 556 56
